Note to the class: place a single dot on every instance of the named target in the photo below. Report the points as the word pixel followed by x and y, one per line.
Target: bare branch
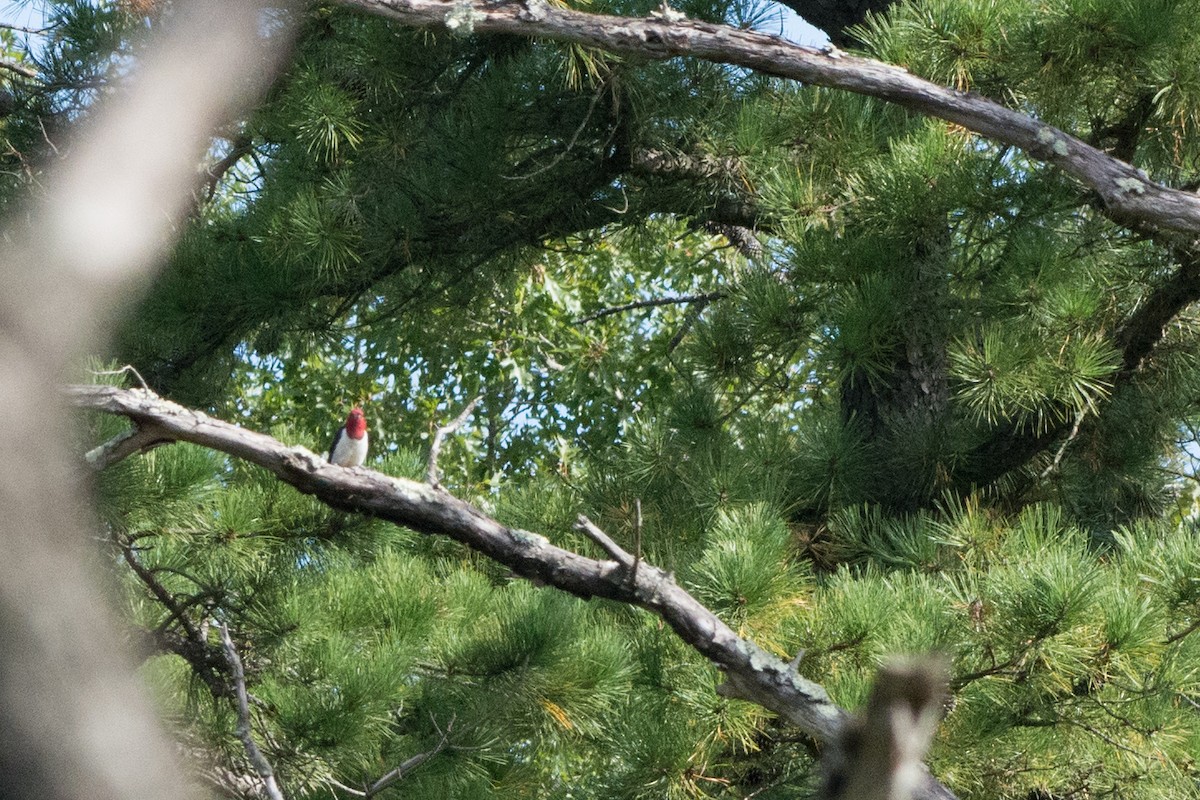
pixel 213 173
pixel 158 590
pixel 257 759
pixel 570 144
pixel 705 298
pixel 1146 326
pixel 765 679
pixel 435 449
pixel 347 789
pixel 1186 632
pixel 23 29
pixel 589 528
pixel 128 369
pixel 137 439
pixel 751 673
pixel 410 763
pixel 1128 193
pixel 20 69
pixel 693 316
pixel 1058 456
pixel 637 539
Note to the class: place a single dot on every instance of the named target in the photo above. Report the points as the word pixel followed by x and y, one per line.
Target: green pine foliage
pixel 907 422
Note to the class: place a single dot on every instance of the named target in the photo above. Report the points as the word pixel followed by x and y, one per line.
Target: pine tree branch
pixel 165 598
pixel 240 147
pixel 618 553
pixel 244 732
pixel 1146 327
pixel 20 69
pixel 836 17
pixel 137 439
pixel 705 298
pixel 751 673
pixel 1183 634
pixel 1128 194
pixel 410 763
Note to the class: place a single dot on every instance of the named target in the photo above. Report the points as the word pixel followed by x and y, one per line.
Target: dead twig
pixel 137 439
pixel 257 759
pixel 705 298
pixel 435 449
pixel 411 763
pixel 590 529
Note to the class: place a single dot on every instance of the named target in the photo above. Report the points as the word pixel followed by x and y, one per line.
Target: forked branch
pixel 751 673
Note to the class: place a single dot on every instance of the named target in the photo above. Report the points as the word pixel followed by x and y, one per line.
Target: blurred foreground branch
pixel 73 720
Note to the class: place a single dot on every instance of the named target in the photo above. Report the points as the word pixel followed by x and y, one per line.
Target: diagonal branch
pixel 261 765
pixel 1146 327
pixel 705 298
pixel 20 69
pixel 1128 194
pixel 410 763
pixel 137 439
pixel 751 673
pixel 432 474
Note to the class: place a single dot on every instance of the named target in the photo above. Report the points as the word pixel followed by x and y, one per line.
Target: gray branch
pixel 751 673
pixel 1127 192
pixel 17 67
pixel 435 450
pixel 137 439
pixel 244 731
pixel 410 764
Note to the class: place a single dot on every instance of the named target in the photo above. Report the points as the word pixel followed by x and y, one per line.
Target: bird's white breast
pixel 349 452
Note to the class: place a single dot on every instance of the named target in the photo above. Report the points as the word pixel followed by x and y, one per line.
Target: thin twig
pixel 46 136
pixel 239 147
pixel 257 759
pixel 705 298
pixel 637 539
pixel 1188 631
pixel 435 450
pixel 690 320
pixel 345 788
pixel 158 590
pixel 1108 740
pixel 1063 448
pixel 128 369
pixel 411 763
pixel 589 528
pixel 22 29
pixel 574 138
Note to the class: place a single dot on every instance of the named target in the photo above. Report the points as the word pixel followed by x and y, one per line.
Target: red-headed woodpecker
pixel 349 448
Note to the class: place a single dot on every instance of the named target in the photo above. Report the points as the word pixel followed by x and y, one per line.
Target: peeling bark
pixel 751 673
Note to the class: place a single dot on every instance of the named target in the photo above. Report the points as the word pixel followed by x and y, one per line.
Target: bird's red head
pixel 356 423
